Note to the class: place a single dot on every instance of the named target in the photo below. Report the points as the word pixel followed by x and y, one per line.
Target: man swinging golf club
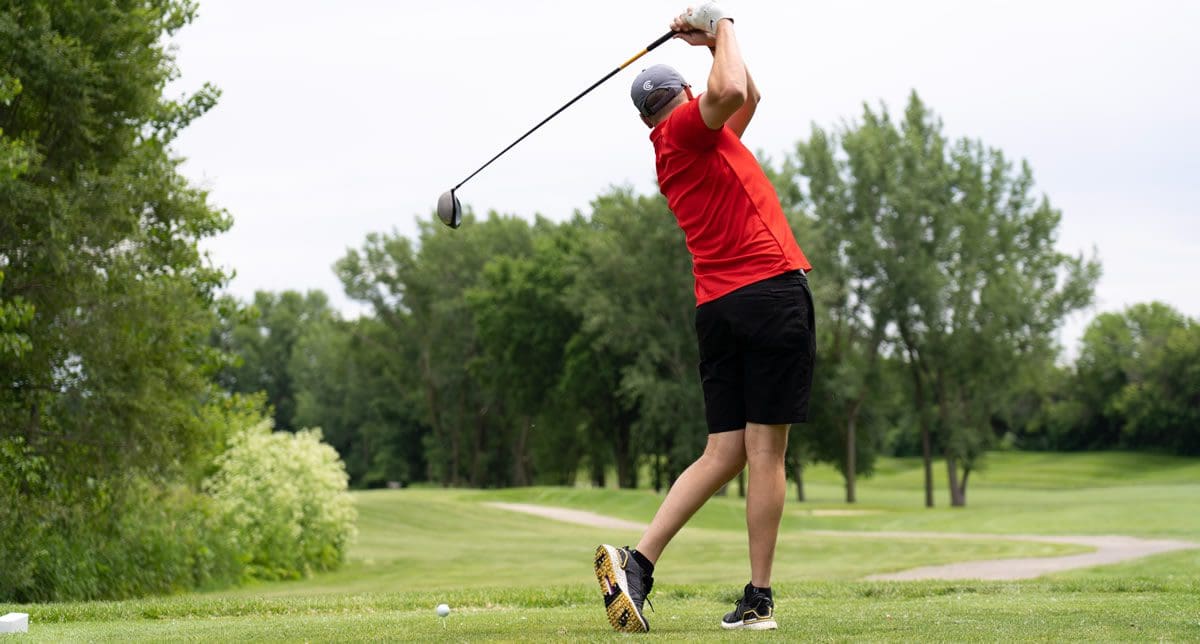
pixel 754 317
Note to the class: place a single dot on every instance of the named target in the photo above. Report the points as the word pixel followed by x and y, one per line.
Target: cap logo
pixel 648 85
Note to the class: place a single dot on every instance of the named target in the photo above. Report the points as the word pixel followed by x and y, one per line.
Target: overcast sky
pixel 341 118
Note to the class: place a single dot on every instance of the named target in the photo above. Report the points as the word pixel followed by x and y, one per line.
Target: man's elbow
pixel 731 95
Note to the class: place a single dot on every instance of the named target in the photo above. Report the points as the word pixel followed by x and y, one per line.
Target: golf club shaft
pixel 664 38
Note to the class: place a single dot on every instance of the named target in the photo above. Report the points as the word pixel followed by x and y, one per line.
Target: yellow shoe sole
pixel 622 613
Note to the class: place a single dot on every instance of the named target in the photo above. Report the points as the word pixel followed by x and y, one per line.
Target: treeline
pixel 510 352
pixel 1135 385
pixel 124 470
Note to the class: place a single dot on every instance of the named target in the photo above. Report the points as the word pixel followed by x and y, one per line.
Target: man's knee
pixel 766 444
pixel 727 455
pixel 730 461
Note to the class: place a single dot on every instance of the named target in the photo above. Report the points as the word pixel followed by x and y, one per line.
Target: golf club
pixel 450 211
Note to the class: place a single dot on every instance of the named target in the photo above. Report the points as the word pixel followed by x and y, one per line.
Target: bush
pixel 110 539
pixel 169 539
pixel 272 506
pixel 284 498
pixel 22 474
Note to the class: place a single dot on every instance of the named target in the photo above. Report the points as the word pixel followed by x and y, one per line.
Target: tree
pixel 524 327
pixel 1113 349
pixel 852 303
pixel 589 385
pixel 106 294
pixel 1134 384
pixel 419 293
pixel 15 315
pixel 264 338
pixel 353 379
pixel 951 264
pixel 1161 402
pixel 634 290
pixel 106 302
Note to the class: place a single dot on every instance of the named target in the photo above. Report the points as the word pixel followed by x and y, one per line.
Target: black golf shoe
pixel 625 584
pixel 754 611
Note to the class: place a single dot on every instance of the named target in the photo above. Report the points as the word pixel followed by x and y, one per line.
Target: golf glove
pixel 706 16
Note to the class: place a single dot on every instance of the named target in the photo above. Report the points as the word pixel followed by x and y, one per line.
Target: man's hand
pixel 694 37
pixel 690 29
pixel 705 17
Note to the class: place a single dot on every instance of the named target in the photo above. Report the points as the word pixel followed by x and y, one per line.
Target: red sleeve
pixel 686 128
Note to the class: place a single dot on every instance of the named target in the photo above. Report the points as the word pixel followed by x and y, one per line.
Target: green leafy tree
pixel 989 289
pixel 107 417
pixel 353 380
pixel 1161 402
pixel 15 315
pixel 98 238
pixel 852 301
pixel 951 262
pixel 1112 354
pixel 98 232
pixel 634 290
pixel 524 327
pixel 419 292
pixel 1134 385
pixel 591 387
pixel 264 337
pixel 590 384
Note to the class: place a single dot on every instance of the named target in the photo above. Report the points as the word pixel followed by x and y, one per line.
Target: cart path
pixel 1109 549
pixel 578 517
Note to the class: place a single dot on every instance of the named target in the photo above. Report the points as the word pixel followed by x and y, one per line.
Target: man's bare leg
pixel 723 458
pixel 766 446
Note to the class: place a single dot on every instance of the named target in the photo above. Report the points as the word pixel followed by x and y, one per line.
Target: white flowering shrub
pixel 284 498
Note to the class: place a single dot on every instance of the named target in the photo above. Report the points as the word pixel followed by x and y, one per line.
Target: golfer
pixel 754 317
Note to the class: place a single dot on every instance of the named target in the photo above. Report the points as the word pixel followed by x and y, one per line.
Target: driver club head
pixel 449 210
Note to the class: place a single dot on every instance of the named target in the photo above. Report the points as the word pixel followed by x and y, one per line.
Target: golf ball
pixel 443 610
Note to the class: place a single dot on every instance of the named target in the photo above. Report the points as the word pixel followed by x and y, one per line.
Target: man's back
pixel 726 206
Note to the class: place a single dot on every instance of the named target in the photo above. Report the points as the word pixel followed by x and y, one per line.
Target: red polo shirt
pixel 726 206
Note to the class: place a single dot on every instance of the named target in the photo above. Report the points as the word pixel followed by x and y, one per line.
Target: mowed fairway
pixel 509 576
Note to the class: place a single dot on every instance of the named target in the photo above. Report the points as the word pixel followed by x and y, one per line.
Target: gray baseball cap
pixel 655 87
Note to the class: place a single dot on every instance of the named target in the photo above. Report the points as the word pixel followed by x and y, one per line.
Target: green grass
pixel 821 611
pixel 514 577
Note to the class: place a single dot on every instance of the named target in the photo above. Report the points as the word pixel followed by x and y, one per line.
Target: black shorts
pixel 757 346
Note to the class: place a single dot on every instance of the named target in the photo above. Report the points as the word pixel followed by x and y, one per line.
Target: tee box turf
pixel 14 623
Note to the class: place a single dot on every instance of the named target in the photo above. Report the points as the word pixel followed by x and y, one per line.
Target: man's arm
pixel 741 118
pixel 729 91
pixel 727 84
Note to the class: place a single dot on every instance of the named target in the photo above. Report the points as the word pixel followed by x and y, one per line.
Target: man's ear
pixel 647 122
